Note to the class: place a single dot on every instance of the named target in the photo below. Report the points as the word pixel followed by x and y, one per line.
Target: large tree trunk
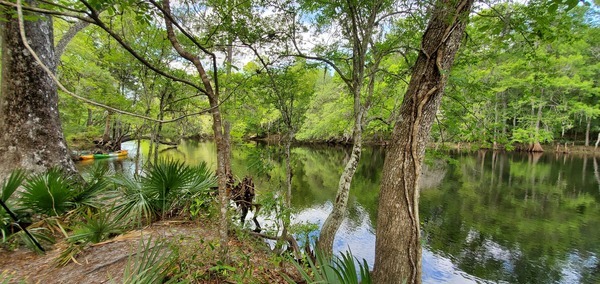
pixel 398 246
pixel 32 136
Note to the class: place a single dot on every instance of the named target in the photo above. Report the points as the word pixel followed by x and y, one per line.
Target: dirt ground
pixel 251 261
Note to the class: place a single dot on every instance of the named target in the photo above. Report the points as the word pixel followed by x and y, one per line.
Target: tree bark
pixel 223 149
pixel 227 140
pixel 61 46
pixel 32 136
pixel 587 131
pixel 361 38
pixel 89 121
pixel 335 218
pixel 106 135
pixel 398 246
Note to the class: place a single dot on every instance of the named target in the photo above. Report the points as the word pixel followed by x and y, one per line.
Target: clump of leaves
pixel 9 186
pixel 48 193
pixel 52 193
pixel 40 234
pixel 165 187
pixel 151 264
pixel 94 229
pixel 333 270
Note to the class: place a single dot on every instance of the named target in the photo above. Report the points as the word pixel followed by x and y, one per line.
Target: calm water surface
pixel 486 218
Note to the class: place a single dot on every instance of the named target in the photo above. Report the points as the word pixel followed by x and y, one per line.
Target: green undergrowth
pixel 73 213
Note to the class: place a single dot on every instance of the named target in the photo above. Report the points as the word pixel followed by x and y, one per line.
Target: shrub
pixel 166 186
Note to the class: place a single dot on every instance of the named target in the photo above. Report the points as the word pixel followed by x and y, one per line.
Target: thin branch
pixel 440 128
pixel 167 13
pixel 62 6
pixel 64 89
pixel 97 21
pixel 324 60
pixel 377 21
pixel 45 11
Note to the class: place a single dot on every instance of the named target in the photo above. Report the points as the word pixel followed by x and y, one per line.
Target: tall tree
pixel 32 136
pixel 211 90
pixel 352 57
pixel 398 245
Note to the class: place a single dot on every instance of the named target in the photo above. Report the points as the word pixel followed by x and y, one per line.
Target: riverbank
pixel 569 148
pixel 548 148
pixel 192 247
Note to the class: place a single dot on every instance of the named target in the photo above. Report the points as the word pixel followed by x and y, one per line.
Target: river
pixel 486 217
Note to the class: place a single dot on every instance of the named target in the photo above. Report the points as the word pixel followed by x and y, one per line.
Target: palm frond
pixel 95 229
pixel 203 179
pixel 48 193
pixel 13 182
pixel 166 179
pixel 165 186
pixel 89 195
pixel 151 264
pixel 96 172
pixel 40 234
pixel 333 270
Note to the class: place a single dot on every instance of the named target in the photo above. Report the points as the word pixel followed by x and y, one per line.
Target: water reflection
pixel 513 218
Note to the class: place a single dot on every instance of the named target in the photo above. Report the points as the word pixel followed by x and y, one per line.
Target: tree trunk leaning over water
pixel 361 32
pixel 398 245
pixel 32 136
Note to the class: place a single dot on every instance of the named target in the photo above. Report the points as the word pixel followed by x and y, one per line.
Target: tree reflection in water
pixel 486 216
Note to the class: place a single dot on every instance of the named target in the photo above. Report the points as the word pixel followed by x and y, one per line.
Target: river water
pixel 486 217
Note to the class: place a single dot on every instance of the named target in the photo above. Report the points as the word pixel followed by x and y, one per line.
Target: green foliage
pixel 45 194
pixel 167 185
pixel 50 193
pixel 152 263
pixel 40 234
pixel 95 229
pixel 527 136
pixel 334 270
pixel 13 182
pixel 9 186
pixel 525 76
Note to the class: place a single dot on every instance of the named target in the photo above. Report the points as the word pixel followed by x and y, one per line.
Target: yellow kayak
pixel 120 153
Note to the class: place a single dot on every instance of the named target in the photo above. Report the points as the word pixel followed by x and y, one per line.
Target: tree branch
pixel 97 21
pixel 60 85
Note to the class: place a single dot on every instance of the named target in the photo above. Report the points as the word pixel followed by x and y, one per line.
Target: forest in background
pixel 342 72
pixel 525 75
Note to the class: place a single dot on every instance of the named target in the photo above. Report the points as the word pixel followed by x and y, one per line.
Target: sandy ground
pixel 105 262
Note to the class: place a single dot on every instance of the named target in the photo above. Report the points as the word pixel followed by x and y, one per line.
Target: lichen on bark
pixel 32 136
